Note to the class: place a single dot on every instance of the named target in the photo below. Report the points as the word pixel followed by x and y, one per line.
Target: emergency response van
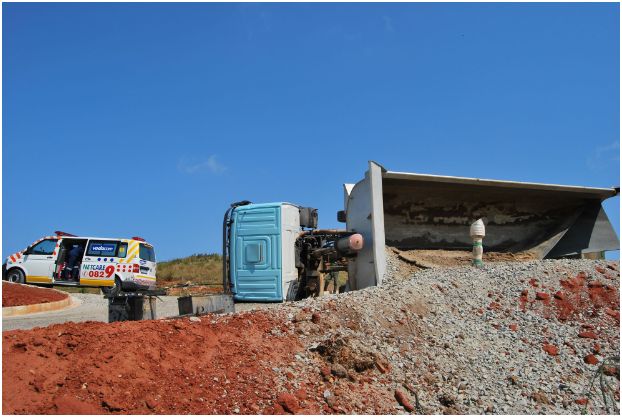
pixel 65 259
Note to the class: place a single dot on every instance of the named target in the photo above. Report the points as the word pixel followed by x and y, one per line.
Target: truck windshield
pixel 147 253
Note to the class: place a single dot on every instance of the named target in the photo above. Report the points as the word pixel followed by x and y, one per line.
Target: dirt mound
pixel 211 366
pixel 21 295
pixel 444 340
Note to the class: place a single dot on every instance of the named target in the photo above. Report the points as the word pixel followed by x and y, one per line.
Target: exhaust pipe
pixel 350 244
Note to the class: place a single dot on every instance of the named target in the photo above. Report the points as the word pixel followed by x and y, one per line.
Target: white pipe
pixel 477 232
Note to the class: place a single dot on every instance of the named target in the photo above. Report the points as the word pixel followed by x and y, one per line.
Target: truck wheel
pixel 114 290
pixel 292 292
pixel 15 275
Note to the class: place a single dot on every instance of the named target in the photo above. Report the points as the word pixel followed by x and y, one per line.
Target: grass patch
pixel 201 268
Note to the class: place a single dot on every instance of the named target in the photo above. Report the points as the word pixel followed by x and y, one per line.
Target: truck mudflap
pixel 418 211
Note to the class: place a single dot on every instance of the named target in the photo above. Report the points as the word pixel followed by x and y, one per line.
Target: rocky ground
pixel 21 295
pixel 515 338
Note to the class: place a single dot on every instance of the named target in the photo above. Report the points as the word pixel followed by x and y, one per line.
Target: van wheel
pixel 114 290
pixel 15 275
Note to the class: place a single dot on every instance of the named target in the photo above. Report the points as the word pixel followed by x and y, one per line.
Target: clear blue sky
pixel 149 119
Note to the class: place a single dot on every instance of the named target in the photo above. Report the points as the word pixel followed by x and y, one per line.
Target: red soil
pixel 579 297
pixel 588 335
pixel 582 295
pixel 163 367
pixel 542 296
pixel 523 300
pixel 403 400
pixel 550 349
pixel 21 295
pixel 590 359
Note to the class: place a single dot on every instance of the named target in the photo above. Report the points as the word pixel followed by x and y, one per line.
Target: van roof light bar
pixel 59 233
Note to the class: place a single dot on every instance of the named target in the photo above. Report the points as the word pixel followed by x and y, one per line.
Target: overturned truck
pixel 418 211
pixel 276 252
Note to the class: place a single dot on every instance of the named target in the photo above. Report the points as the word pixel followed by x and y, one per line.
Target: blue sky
pixel 149 119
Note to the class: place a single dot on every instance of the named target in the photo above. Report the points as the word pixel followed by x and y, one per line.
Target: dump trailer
pixel 419 211
pixel 274 252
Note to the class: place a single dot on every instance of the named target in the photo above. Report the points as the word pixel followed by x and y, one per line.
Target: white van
pixel 65 259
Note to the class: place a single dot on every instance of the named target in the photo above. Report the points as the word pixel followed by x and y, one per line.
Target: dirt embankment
pixel 522 338
pixel 164 367
pixel 21 295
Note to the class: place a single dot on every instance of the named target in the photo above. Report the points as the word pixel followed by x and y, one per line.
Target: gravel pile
pixel 509 338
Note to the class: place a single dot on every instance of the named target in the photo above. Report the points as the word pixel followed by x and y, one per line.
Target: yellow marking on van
pixel 131 256
pixel 38 278
pixel 146 277
pixel 131 251
pixel 97 282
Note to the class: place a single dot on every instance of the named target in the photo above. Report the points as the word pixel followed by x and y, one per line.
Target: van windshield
pixel 146 253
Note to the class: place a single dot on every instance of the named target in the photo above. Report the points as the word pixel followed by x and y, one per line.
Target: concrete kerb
pixel 68 302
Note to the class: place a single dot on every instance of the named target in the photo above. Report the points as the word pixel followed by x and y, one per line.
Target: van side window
pixel 102 248
pixel 45 247
pixel 122 252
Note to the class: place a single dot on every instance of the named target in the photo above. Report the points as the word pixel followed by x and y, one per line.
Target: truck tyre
pixel 114 290
pixel 16 275
pixel 292 291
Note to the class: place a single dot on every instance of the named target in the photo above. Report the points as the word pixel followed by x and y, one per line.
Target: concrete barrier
pixel 204 304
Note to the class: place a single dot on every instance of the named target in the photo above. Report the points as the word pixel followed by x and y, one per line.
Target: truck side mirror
pixel 341 216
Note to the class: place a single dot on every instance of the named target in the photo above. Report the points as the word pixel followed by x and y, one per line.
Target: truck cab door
pixel 39 261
